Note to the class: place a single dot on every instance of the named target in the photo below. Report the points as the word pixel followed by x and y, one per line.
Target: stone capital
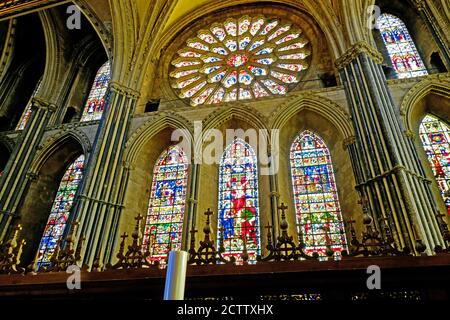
pixel 355 50
pixel 349 141
pixel 124 90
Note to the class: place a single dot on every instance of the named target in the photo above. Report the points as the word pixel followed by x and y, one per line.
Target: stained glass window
pixel 316 200
pixel 164 225
pixel 240 59
pixel 60 211
pixel 27 113
pixel 97 97
pixel 238 201
pixel 400 47
pixel 435 136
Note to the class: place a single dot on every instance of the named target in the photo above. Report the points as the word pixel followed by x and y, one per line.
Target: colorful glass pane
pixel 238 201
pixel 315 195
pixel 400 47
pixel 96 102
pixel 234 54
pixel 164 224
pixel 27 113
pixel 60 212
pixel 435 137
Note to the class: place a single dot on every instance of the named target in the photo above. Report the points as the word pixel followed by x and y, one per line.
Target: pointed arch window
pixel 164 224
pixel 238 201
pixel 316 200
pixel 59 214
pixel 400 47
pixel 27 113
pixel 435 137
pixel 96 102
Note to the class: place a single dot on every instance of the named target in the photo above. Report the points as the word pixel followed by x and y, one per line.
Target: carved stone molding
pixel 124 90
pixel 349 141
pixel 357 49
pixel 38 103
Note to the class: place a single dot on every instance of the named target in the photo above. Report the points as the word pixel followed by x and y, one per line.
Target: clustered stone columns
pixel 16 175
pixel 390 177
pixel 427 15
pixel 100 202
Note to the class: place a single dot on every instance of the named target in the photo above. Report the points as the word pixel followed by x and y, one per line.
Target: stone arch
pixel 152 127
pixel 55 142
pixel 103 30
pixel 44 179
pixel 416 24
pixel 412 108
pixel 426 97
pixel 142 151
pixel 8 46
pixel 332 123
pixel 233 117
pixel 323 106
pixel 320 61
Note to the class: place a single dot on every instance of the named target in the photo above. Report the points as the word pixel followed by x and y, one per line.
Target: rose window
pixel 242 59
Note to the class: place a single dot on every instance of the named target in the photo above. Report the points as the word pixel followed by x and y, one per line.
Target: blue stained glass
pixel 245 46
pixel 59 214
pixel 164 225
pixel 315 195
pixel 401 48
pixel 97 97
pixel 238 200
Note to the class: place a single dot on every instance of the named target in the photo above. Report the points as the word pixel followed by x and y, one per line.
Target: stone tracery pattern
pixel 240 59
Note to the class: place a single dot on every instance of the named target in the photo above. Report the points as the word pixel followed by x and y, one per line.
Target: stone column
pixel 16 175
pixel 427 15
pixel 191 206
pixel 100 203
pixel 389 173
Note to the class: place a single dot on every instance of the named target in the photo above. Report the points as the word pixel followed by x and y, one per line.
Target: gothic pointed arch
pixel 414 105
pixel 316 201
pixel 329 109
pixel 238 205
pixel 152 127
pixel 55 227
pixel 400 47
pixel 52 184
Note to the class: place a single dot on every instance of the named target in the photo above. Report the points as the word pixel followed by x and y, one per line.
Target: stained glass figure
pixel 164 225
pixel 240 59
pixel 97 97
pixel 435 137
pixel 315 195
pixel 59 214
pixel 238 201
pixel 400 47
pixel 27 113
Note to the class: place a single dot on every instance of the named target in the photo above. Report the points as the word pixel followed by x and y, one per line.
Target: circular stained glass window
pixel 240 59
